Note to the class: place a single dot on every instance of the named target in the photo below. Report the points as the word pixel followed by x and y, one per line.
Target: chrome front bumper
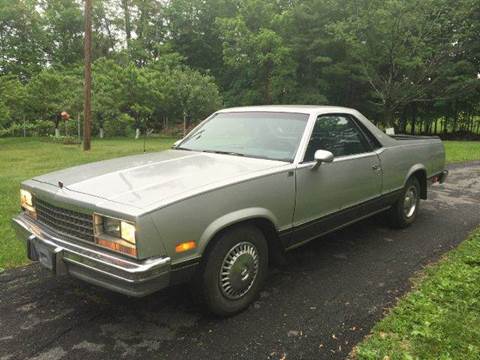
pixel 129 277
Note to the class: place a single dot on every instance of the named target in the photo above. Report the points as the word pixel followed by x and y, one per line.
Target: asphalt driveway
pixel 317 307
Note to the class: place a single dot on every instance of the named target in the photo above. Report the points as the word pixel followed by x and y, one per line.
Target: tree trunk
pixel 403 122
pixel 184 124
pixel 268 97
pixel 388 117
pixel 455 118
pixel 78 126
pixel 101 133
pixel 126 14
pixel 414 118
pixel 87 90
pixel 57 124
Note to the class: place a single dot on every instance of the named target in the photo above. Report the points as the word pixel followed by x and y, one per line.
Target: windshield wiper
pixel 224 152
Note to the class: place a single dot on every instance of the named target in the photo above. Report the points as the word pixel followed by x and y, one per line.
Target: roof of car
pixel 307 109
pixel 385 140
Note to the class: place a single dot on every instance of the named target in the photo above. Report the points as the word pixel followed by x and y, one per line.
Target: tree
pixel 150 31
pixel 327 72
pixel 399 45
pixel 260 62
pixel 13 103
pixel 63 21
pixel 21 38
pixel 105 34
pixel 410 64
pixel 107 91
pixel 196 94
pixel 137 95
pixel 50 92
pixel 125 5
pixel 194 33
pixel 4 115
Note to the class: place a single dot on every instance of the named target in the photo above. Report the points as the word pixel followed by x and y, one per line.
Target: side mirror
pixel 176 143
pixel 322 156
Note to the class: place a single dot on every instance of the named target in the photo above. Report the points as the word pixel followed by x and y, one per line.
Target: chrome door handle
pixel 376 167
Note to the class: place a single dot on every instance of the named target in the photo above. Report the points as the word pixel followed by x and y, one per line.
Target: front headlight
pixel 116 234
pixel 111 227
pixel 127 232
pixel 26 202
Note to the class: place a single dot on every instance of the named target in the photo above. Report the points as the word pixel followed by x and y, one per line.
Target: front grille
pixel 65 222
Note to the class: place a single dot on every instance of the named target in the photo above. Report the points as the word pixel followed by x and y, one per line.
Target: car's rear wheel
pixel 234 270
pixel 404 212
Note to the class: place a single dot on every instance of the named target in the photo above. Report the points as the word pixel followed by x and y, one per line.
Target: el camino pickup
pixel 239 190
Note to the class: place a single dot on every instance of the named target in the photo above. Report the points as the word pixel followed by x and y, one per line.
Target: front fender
pixel 233 218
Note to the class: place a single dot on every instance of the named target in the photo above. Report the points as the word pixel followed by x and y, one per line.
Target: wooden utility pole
pixel 87 105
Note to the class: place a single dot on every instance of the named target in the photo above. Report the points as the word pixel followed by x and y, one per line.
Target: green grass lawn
pixel 439 319
pixel 23 158
pixel 460 151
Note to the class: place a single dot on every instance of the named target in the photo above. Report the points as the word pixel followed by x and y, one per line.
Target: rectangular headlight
pixel 127 232
pixel 115 234
pixel 26 202
pixel 111 227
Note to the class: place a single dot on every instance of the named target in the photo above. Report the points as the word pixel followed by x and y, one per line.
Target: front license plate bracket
pixel 51 259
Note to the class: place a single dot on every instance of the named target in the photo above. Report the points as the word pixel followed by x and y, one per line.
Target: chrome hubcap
pixel 410 202
pixel 239 270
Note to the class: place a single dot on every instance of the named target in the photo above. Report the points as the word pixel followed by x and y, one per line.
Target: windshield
pixel 267 135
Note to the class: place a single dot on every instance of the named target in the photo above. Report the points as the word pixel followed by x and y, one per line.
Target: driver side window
pixel 338 134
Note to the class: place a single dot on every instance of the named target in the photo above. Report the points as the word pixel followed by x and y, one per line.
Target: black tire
pixel 404 212
pixel 239 243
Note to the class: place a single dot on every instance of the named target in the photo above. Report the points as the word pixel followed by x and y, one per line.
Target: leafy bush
pixel 35 128
pixel 176 131
pixel 14 130
pixel 66 140
pixel 119 126
pixel 4 114
pixel 42 128
pixel 70 128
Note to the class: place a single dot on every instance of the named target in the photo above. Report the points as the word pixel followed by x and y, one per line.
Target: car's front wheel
pixel 234 270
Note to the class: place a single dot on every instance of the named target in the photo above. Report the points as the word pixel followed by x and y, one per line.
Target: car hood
pixel 156 178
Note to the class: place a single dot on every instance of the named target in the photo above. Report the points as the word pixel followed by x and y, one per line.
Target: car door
pixel 338 192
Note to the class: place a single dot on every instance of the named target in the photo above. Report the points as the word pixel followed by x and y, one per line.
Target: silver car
pixel 239 190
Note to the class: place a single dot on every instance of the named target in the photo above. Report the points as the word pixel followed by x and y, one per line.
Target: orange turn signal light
pixel 185 246
pixel 122 247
